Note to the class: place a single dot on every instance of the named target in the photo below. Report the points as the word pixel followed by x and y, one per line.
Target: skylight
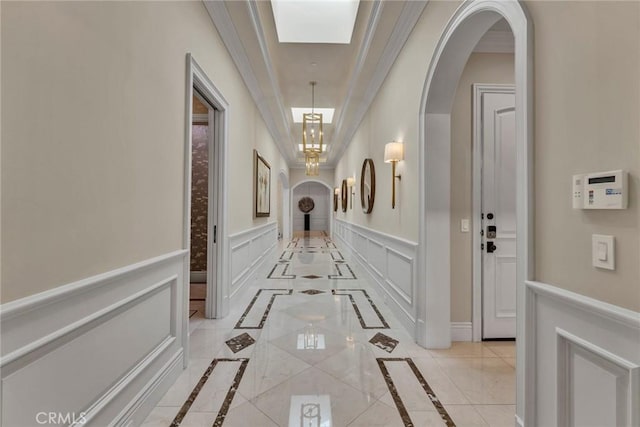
pixel 315 21
pixel 327 114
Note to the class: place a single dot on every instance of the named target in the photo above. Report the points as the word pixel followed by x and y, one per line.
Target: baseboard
pixel 198 276
pixel 50 357
pixel 461 331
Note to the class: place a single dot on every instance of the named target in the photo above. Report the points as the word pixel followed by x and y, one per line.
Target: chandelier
pixel 312 163
pixel 312 128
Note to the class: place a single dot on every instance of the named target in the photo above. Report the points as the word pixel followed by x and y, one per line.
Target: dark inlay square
pixel 384 342
pixel 240 342
pixel 312 292
pixel 312 276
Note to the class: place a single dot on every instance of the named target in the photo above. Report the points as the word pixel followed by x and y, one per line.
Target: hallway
pixel 310 342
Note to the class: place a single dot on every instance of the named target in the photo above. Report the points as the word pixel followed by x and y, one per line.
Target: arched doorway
pixel 326 206
pixel 470 22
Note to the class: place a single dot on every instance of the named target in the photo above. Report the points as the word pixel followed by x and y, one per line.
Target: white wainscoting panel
pixel 249 249
pixel 391 263
pixel 103 349
pixel 583 360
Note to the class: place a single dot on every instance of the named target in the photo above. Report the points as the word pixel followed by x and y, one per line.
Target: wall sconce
pixel 336 196
pixel 393 153
pixel 351 182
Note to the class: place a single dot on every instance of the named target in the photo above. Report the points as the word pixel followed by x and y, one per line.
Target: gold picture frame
pixel 261 186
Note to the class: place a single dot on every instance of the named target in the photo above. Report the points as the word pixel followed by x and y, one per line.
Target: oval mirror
pixel 344 195
pixel 367 185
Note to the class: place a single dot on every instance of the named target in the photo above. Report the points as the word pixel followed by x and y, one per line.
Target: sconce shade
pixel 351 181
pixel 393 152
pixel 336 191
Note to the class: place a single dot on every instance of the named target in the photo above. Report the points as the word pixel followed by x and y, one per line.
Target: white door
pixel 498 214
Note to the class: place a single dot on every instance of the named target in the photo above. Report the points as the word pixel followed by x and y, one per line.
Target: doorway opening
pixel 461 35
pixel 318 221
pixel 202 242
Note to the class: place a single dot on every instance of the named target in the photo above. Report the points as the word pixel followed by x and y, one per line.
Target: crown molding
pixel 407 20
pixel 222 21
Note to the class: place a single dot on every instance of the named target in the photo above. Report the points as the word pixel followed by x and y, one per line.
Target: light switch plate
pixel 464 225
pixel 602 249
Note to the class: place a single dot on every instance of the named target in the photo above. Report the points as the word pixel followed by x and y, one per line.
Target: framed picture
pixel 261 185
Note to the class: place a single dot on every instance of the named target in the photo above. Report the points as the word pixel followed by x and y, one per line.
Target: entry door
pixel 498 215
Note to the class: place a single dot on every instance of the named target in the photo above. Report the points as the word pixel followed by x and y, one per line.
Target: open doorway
pixel 202 149
pixel 465 29
pixel 311 209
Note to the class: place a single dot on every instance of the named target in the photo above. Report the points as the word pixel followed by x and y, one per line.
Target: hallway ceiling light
pixel 327 114
pixel 315 21
pixel 312 163
pixel 325 148
pixel 312 134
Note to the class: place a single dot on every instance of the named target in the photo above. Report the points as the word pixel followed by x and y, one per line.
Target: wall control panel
pixel 600 190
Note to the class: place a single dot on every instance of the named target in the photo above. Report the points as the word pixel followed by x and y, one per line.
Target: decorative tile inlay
pixel 240 342
pixel 384 342
pixel 226 404
pixel 286 256
pixel 337 256
pixel 340 275
pixel 312 276
pixel 266 311
pixel 404 414
pixel 357 310
pixel 312 292
pixel 282 274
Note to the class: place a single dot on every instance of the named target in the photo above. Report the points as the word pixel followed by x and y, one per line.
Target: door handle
pixel 491 247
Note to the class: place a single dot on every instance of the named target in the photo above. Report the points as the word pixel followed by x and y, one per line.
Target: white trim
pixel 200 118
pixel 557 319
pixel 519 421
pixel 217 300
pixel 248 250
pixel 411 12
pixel 286 205
pixel 55 332
pixel 198 277
pixel 496 42
pixel 461 331
pixel 401 302
pixel 478 90
pixel 470 21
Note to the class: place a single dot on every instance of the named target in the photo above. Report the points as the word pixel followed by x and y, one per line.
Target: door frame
pixel 217 300
pixel 476 252
pixel 433 311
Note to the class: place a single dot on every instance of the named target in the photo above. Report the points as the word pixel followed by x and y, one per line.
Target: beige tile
pixel 247 415
pixel 482 381
pixel 510 361
pixel 160 416
pixel 465 416
pixel 502 348
pixel 378 415
pixel 464 349
pixel 426 419
pixel 446 391
pixel 498 415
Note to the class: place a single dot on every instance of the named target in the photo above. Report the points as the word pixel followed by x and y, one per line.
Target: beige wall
pixel 298 175
pixel 481 68
pixel 93 136
pixel 587 104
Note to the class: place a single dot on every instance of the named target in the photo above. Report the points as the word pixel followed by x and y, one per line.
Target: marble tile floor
pixel 306 359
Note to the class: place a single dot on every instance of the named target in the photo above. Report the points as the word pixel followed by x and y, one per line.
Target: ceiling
pixel 348 76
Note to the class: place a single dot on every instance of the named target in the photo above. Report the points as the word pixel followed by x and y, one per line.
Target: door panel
pixel 499 209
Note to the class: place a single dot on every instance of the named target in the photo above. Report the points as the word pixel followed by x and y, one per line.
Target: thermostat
pixel 600 190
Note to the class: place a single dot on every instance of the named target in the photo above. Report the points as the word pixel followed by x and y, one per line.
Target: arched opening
pixel 323 198
pixel 463 32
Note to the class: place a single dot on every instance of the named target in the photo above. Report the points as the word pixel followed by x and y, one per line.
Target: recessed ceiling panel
pixel 327 114
pixel 315 21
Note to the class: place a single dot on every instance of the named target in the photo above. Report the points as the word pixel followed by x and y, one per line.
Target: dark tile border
pixel 357 310
pixel 404 414
pixel 284 274
pixel 226 404
pixel 341 276
pixel 337 259
pixel 266 311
